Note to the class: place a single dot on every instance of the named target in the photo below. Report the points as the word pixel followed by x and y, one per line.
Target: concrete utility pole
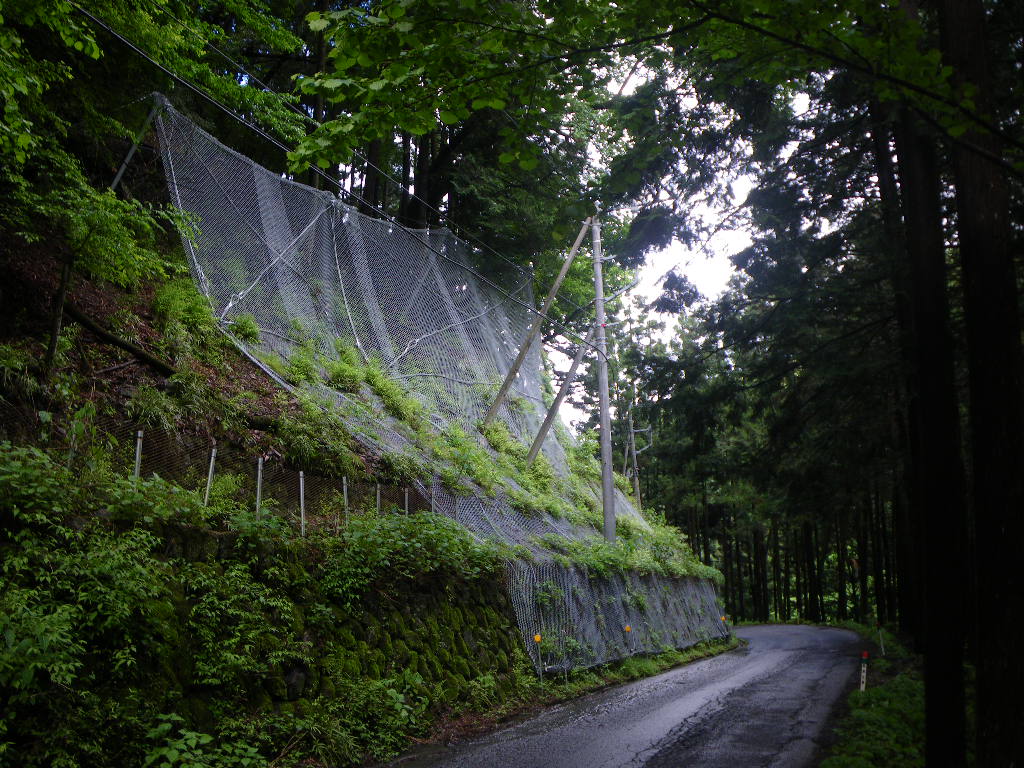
pixel 607 480
pixel 538 320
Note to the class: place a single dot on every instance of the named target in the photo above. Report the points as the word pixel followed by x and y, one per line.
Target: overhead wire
pixel 566 330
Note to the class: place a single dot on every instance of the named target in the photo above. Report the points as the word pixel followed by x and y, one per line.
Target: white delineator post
pixel 607 479
pixel 863 670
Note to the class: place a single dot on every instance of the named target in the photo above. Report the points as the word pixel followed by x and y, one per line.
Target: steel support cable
pixel 567 331
pixel 306 116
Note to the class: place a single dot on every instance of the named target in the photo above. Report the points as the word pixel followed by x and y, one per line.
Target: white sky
pixel 708 268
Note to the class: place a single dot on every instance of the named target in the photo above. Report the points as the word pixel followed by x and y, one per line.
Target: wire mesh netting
pixel 315 275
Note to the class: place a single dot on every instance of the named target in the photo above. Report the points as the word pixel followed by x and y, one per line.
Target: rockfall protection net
pixel 312 271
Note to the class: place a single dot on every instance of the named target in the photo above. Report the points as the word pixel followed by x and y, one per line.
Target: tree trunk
pixel 996 412
pixel 841 614
pixel 941 492
pixel 58 315
pixel 812 605
pixel 862 564
pixel 877 564
pixel 773 538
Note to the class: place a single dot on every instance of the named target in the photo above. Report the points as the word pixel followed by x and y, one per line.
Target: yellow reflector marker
pixel 536 638
pixel 629 628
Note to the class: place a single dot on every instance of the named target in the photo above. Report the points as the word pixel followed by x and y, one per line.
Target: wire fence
pixel 262 481
pixel 320 282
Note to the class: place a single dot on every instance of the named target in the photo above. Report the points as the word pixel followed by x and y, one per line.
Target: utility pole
pixel 607 481
pixel 535 328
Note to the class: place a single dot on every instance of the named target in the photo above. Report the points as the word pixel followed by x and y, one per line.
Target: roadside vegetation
pixel 884 724
pixel 144 627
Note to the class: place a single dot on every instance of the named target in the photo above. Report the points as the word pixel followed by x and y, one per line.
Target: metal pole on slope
pixel 538 320
pixel 607 479
pixel 632 451
pixel 562 392
pixel 138 456
pixel 209 476
pixel 158 105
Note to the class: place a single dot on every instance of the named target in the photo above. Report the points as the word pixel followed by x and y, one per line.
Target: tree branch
pixel 104 335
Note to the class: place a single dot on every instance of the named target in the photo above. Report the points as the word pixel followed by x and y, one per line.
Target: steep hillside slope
pixel 335 303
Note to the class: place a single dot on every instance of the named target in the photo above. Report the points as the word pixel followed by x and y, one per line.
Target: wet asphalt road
pixel 768 704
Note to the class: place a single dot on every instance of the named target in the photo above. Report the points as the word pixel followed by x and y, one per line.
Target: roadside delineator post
pixel 540 666
pixel 863 670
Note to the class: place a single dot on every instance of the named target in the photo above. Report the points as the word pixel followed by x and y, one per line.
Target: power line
pixel 567 331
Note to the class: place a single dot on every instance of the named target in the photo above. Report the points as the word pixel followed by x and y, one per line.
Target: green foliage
pixel 460 454
pixel 179 301
pixel 396 400
pixel 150 407
pixel 15 372
pixel 885 727
pixel 175 745
pixel 387 548
pixel 344 376
pixel 548 593
pixel 108 639
pixel 302 366
pixel 500 439
pixel 315 438
pixel 404 468
pixel 245 329
pixel 232 638
pixel 183 316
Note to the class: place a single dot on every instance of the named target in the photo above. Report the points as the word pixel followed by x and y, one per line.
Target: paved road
pixel 764 705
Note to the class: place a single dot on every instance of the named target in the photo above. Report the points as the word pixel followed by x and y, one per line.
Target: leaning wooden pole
pixel 510 377
pixel 607 479
pixel 549 419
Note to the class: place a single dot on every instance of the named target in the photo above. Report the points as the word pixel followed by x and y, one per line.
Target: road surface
pixel 768 704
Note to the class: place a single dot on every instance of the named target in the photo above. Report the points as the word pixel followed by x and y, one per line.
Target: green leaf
pixel 449 118
pixel 318 24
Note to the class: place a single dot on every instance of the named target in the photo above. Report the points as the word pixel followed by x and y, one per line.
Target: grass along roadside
pixel 884 724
